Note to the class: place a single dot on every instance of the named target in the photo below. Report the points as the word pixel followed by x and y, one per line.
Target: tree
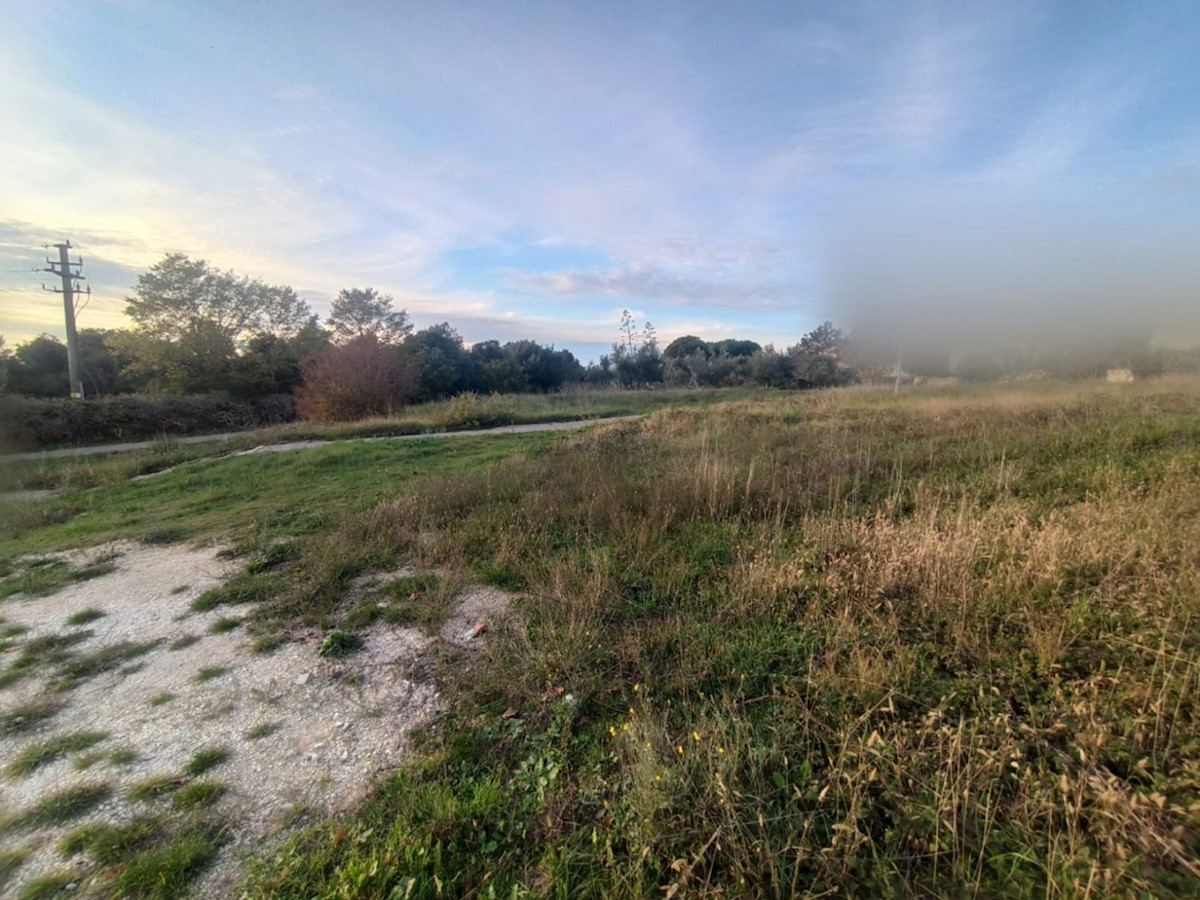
pixel 270 364
pixel 817 359
pixel 687 345
pixel 359 311
pixel 545 369
pixel 444 364
pixel 734 347
pixel 5 356
pixel 38 368
pixel 357 379
pixel 191 319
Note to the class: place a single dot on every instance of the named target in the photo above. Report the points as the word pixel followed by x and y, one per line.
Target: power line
pixel 71 275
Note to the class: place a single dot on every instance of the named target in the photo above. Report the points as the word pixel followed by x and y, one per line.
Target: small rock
pixel 345 755
pixel 303 679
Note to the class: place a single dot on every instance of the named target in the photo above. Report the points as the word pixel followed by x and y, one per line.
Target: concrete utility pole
pixel 69 272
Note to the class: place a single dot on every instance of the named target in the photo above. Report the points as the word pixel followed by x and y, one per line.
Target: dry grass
pixel 943 645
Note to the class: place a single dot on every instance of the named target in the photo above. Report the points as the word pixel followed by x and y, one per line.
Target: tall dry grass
pixel 939 645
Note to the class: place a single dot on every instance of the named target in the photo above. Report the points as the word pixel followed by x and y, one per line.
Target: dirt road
pixel 300 445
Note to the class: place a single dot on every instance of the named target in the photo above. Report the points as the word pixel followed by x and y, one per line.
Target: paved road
pixel 300 445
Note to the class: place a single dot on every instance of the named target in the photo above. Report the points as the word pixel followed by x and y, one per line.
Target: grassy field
pixel 461 413
pixel 835 642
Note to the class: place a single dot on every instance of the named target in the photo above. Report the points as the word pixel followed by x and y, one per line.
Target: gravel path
pixel 328 728
pixel 300 445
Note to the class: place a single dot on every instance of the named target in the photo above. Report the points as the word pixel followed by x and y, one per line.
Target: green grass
pixel 46 886
pixel 60 806
pixel 149 857
pixel 39 577
pixel 45 752
pixel 27 717
pixel 162 698
pixel 154 788
pixel 340 643
pixel 85 761
pixel 181 643
pixel 163 871
pixel 198 795
pixel 84 616
pixel 223 625
pixel 122 757
pixel 208 673
pixel 208 758
pixel 268 497
pixel 79 669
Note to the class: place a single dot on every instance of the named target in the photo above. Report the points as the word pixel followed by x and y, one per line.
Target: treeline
pixel 199 331
pixel 202 331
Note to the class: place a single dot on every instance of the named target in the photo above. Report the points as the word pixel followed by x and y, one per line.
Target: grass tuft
pixel 61 806
pixel 162 698
pixel 223 625
pixel 208 673
pixel 198 795
pixel 27 717
pixel 262 730
pixel 85 615
pixel 35 756
pixel 339 644
pixel 154 788
pixel 122 757
pixel 208 758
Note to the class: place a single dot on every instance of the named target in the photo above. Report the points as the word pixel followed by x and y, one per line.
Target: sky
pixel 531 169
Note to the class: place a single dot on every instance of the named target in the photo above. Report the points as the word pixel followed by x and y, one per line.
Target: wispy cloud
pixel 664 288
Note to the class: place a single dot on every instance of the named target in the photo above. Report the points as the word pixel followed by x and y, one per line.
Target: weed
pixel 224 624
pixel 198 795
pixel 162 698
pixel 339 644
pixel 262 730
pixel 61 806
pixel 85 615
pixel 34 757
pixel 208 673
pixel 180 589
pixel 27 717
pixel 183 642
pixel 208 758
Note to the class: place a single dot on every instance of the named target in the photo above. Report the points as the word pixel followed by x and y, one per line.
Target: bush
pixel 361 378
pixel 32 424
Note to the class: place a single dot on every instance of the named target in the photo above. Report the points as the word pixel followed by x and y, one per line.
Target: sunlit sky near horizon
pixel 530 169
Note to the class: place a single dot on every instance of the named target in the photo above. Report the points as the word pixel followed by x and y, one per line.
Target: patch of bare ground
pixel 284 733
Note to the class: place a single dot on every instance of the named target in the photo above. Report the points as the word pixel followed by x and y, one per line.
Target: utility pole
pixel 69 272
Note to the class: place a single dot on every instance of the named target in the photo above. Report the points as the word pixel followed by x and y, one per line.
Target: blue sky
pixel 530 169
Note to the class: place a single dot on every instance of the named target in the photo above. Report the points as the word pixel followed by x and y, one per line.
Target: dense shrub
pixel 27 423
pixel 361 378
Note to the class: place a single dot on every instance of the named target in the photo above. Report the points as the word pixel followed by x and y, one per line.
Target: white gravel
pixel 338 723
